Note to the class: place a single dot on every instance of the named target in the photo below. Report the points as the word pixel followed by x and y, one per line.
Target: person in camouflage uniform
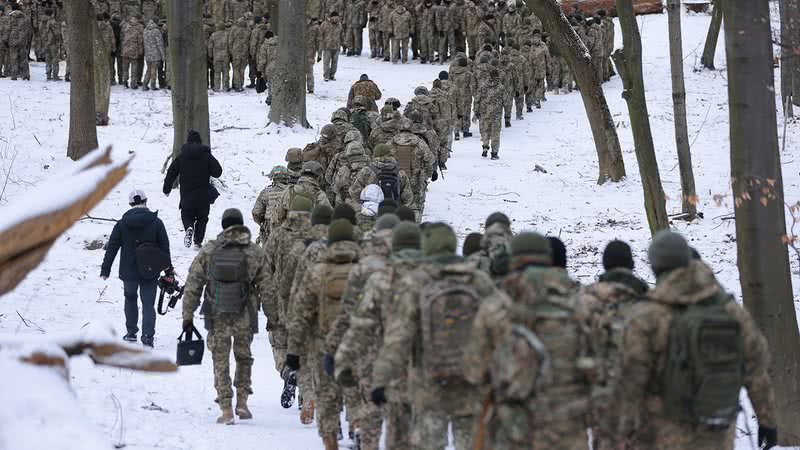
pixel 374 35
pixel 239 42
pixel 262 210
pixel 610 301
pixel 510 25
pixel 132 50
pixel 461 78
pixel 682 282
pixel 435 404
pixel 353 161
pixel 489 102
pixel 355 27
pixel 363 340
pixel 387 127
pixel 313 45
pixel 219 49
pixel 423 103
pixel 539 56
pixel 595 42
pixel 226 327
pixel 307 186
pixel 5 30
pixel 18 45
pixel 607 26
pixel 510 79
pixel 445 28
pixel 52 43
pixel 219 10
pixel 331 36
pixel 416 159
pixel 316 305
pixel 386 29
pixel 487 32
pixel 401 25
pixel 442 94
pixel 428 134
pixel 267 54
pixel 426 29
pixel 237 9
pixel 106 30
pixel 544 406
pixel 154 54
pixel 366 88
pixel 257 31
pixel 383 161
pixel 521 63
pixel 495 245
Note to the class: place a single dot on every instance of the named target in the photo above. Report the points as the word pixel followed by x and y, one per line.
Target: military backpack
pixel 228 288
pixel 334 283
pixel 389 182
pixel 705 364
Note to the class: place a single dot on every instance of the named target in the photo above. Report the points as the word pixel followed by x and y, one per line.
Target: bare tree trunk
pixel 606 141
pixel 289 78
pixel 82 128
pixel 274 16
pixel 102 79
pixel 189 75
pixel 629 64
pixel 707 60
pixel 758 195
pixel 790 45
pixel 688 194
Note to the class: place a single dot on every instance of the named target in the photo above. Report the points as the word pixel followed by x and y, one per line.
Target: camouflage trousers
pixel 221 75
pixel 537 91
pixel 430 430
pixel 3 59
pixel 328 398
pixel 53 61
pixel 305 379
pixel 370 421
pixel 355 39
pixel 239 64
pixel 398 425
pixel 472 44
pixel 130 67
pixel 277 339
pixel 18 62
pixel 490 132
pixel 508 106
pixel 386 48
pixel 400 50
pixel 374 43
pixel 330 62
pixel 252 69
pixel 227 330
pixel 151 76
pixel 464 111
pixel 446 41
pixel 309 72
pixel 427 46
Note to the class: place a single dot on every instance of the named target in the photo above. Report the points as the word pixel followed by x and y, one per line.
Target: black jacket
pixel 195 166
pixel 138 224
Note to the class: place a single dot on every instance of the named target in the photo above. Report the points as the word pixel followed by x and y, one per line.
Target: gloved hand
pixel 169 272
pixel 292 362
pixel 378 396
pixel 346 378
pixel 319 59
pixel 434 176
pixel 328 364
pixel 767 437
pixel 188 325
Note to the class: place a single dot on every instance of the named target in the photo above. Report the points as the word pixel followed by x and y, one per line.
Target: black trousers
pixel 197 218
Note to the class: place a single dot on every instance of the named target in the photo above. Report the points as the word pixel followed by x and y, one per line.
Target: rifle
pixel 479 439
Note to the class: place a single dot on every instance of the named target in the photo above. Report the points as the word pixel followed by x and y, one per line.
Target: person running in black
pixel 193 169
pixel 137 227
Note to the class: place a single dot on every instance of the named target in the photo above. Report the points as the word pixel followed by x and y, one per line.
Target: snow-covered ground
pixel 177 411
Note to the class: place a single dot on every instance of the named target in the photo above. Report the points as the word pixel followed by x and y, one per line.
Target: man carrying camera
pixel 141 236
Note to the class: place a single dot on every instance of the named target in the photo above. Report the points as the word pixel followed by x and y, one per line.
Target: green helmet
pixel 278 173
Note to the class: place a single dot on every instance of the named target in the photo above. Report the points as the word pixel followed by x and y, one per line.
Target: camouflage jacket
pixel 487 35
pixel 489 100
pixel 311 314
pixel 357 14
pixel 444 19
pixel 307 187
pixel 239 38
pixel 5 29
pixel 383 17
pixel 472 19
pixel 427 21
pixel 295 229
pixel 422 159
pixel 401 23
pixel 331 35
pixel 384 132
pixel 21 31
pixel 364 338
pixel 262 209
pixel 461 78
pixel 315 248
pixel 368 263
pixel 595 42
pixel 369 175
pixel 256 265
pixel 366 88
pixel 237 9
pixel 539 57
pixel 267 54
pixel 344 179
pixel 132 39
pixel 256 37
pixel 402 340
pixel 608 36
pixel 511 24
pixel 107 33
pixel 645 341
pixel 220 10
pixel 153 44
pixel 510 79
pixel 219 47
pixel 313 42
pixel 52 35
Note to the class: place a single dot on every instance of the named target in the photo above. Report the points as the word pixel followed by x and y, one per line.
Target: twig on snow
pixel 99 297
pixel 219 130
pixel 37 140
pixel 101 219
pixel 120 419
pixel 502 194
pixel 30 324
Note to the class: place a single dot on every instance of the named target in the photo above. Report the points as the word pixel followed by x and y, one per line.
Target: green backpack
pixel 705 364
pixel 228 290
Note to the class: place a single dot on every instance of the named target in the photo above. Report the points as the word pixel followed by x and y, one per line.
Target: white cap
pixel 137 193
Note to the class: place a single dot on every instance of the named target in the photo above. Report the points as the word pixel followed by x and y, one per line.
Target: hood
pixel 626 277
pixel 152 26
pixel 138 217
pixel 194 151
pixel 685 286
pixel 238 234
pixel 457 70
pixel 371 197
pixel 193 137
pixel 298 220
pixel 385 163
pixel 389 125
pixel 342 252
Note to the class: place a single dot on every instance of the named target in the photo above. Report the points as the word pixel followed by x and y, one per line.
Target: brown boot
pixel 307 414
pixel 227 416
pixel 331 442
pixel 241 408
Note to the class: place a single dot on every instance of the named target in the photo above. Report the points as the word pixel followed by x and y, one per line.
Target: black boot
pixel 289 387
pixel 495 156
pixel 529 109
pixel 485 151
pixel 467 134
pixel 508 123
pixel 456 136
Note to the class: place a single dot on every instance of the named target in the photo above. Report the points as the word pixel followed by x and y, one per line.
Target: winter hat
pixel 668 251
pixel 559 252
pixel 312 168
pixel 321 215
pixel 137 197
pixel 533 246
pixel 363 77
pixel 340 230
pixel 617 254
pixel 301 203
pixel 387 206
pixel 439 239
pixel 472 244
pixel 386 222
pixel 294 155
pixel 344 211
pixel 405 235
pixel 421 90
pixel 437 84
pixel 443 75
pixel 231 217
pixel 193 137
pixel 497 217
pixel 406 214
pixel 382 151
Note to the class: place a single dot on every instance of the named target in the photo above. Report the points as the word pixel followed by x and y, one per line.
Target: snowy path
pixel 177 411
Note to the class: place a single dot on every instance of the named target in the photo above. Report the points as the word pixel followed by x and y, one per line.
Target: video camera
pixel 168 285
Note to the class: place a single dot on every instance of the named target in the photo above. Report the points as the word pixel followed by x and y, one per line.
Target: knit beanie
pixel 668 251
pixel 382 150
pixel 439 239
pixel 231 217
pixel 497 217
pixel 321 215
pixel 617 254
pixel 405 235
pixel 472 243
pixel 386 222
pixel 344 211
pixel 533 246
pixel 406 214
pixel 340 230
pixel 559 252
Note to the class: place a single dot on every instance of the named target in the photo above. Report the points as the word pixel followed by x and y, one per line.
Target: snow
pixel 176 411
